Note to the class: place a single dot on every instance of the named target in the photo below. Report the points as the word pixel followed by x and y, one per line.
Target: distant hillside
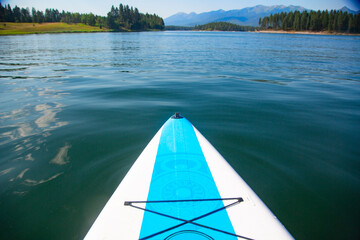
pixel 246 16
pixel 223 26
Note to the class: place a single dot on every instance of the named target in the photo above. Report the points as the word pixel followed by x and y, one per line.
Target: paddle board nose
pixel 180 187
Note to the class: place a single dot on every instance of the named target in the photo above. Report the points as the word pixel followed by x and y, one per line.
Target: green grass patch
pixel 9 28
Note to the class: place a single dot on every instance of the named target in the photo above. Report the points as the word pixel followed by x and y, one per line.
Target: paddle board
pixel 180 187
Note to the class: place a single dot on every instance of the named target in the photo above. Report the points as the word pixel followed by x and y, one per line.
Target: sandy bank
pixel 307 32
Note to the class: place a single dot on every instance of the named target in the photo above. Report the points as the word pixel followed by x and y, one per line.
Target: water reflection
pixel 32 100
pixel 6 171
pixel 47 119
pixel 22 124
pixel 21 174
pixel 29 157
pixel 32 182
pixel 27 130
pixel 62 156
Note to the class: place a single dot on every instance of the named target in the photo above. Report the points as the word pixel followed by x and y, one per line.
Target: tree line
pixel 223 26
pixel 178 28
pixel 130 18
pixel 333 21
pixel 120 18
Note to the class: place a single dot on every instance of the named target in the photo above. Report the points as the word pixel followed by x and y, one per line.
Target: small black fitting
pixel 176 116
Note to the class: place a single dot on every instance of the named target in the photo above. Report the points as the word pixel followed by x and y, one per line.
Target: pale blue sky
pixel 166 8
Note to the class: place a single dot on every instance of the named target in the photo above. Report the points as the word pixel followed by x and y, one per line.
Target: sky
pixel 166 8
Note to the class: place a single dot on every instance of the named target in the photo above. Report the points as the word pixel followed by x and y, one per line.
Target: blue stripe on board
pixel 181 172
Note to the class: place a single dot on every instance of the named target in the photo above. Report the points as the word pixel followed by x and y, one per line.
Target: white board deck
pixel 174 191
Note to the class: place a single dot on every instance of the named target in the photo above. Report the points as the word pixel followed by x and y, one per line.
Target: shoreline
pixel 307 32
pixel 11 29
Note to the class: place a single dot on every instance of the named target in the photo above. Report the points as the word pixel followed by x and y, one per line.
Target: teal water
pixel 76 110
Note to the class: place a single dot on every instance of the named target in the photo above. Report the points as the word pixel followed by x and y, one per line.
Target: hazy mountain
pixel 348 10
pixel 246 16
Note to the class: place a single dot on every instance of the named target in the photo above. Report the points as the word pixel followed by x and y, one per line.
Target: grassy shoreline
pixel 10 28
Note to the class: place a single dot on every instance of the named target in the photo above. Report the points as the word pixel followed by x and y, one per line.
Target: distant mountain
pixel 348 10
pixel 246 16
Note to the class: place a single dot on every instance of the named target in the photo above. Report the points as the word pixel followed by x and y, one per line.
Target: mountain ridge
pixel 348 10
pixel 246 16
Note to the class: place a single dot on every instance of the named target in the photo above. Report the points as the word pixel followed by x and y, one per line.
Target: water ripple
pixel 77 109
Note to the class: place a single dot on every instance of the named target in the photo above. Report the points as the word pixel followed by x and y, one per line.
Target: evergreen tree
pixel 17 14
pixel 303 21
pixel 33 15
pixel 9 15
pixel 111 18
pixel 91 19
pixel 117 19
pixel 297 17
pixel 324 19
pixel 314 21
pixel 350 24
pixel 330 26
pixel 25 15
pixel 357 23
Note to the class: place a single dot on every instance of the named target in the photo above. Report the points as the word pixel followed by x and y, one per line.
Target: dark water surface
pixel 76 110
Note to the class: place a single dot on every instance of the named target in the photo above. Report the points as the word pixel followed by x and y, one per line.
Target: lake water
pixel 76 110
